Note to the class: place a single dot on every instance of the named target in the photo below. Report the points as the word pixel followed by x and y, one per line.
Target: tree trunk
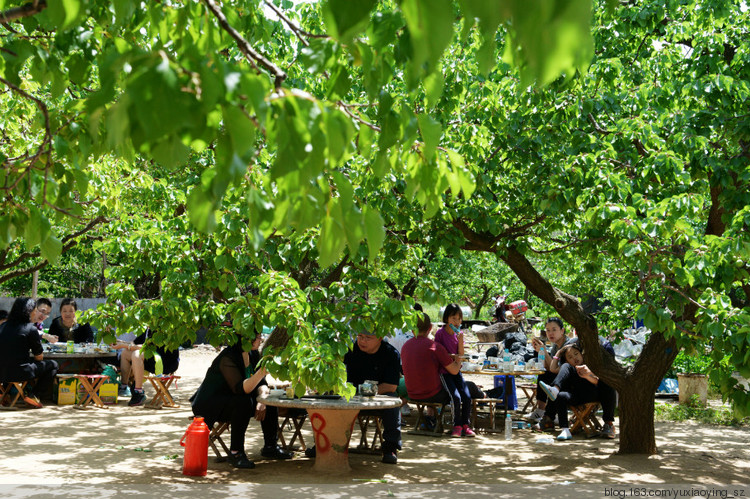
pixel 637 435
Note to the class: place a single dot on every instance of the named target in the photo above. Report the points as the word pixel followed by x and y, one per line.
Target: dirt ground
pixel 123 445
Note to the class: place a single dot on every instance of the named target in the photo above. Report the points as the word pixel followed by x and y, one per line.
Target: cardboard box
pixel 65 391
pixel 108 393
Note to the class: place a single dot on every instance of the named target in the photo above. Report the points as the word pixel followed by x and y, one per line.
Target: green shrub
pixel 695 411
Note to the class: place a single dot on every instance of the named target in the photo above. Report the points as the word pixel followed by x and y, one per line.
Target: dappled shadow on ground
pixel 123 445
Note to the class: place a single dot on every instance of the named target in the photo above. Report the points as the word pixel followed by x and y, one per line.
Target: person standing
pixel 18 337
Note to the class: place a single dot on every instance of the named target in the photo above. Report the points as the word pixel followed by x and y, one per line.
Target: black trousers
pixel 391 426
pixel 238 410
pixel 575 390
pixel 43 371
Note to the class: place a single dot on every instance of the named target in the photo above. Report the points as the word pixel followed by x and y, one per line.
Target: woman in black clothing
pixel 18 337
pixel 66 327
pixel 229 392
pixel 575 384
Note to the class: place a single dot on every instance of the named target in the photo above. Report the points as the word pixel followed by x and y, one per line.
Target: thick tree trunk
pixel 636 385
pixel 637 435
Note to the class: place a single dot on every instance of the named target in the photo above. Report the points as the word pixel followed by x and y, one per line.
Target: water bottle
pixel 508 427
pixel 506 355
pixel 541 358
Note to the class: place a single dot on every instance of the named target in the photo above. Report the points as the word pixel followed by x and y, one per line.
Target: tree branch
pixel 68 241
pixel 293 26
pixel 25 10
pixel 245 47
pixel 47 133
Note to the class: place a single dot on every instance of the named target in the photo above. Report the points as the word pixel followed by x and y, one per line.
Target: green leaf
pixel 430 24
pixel 201 210
pixel 346 18
pixel 171 152
pixel 433 87
pixel 241 130
pixel 51 249
pixel 431 133
pixel 331 242
pixel 374 231
pixel 63 13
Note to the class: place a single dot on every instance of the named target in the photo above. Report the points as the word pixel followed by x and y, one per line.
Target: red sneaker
pixel 468 432
pixel 457 430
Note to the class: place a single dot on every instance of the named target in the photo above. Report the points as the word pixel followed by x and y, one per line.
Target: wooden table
pixel 332 421
pixel 76 363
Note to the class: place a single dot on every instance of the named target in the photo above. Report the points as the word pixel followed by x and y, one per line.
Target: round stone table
pixel 332 422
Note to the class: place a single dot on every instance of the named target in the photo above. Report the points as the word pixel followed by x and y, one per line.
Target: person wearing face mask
pixel 555 332
pixel 575 384
pixel 451 337
pixel 66 326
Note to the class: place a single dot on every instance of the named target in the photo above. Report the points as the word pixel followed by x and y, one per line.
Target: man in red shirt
pixel 421 359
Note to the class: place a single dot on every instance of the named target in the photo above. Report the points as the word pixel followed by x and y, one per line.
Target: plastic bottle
pixel 506 355
pixel 542 353
pixel 508 427
pixel 195 441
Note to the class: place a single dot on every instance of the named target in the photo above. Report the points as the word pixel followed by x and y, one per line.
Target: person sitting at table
pixel 555 332
pixel 421 359
pixel 575 384
pixel 229 392
pixel 39 315
pixel 451 337
pixel 66 326
pixel 18 337
pixel 132 360
pixel 372 359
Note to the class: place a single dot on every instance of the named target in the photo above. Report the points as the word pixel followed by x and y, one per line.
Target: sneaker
pixel 310 452
pixel 275 452
pixel 608 431
pixel 138 398
pixel 239 460
pixel 565 434
pixel 457 431
pixel 123 391
pixel 405 410
pixel 546 424
pixel 468 432
pixel 429 424
pixel 390 458
pixel 551 391
pixel 535 416
pixel 32 400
